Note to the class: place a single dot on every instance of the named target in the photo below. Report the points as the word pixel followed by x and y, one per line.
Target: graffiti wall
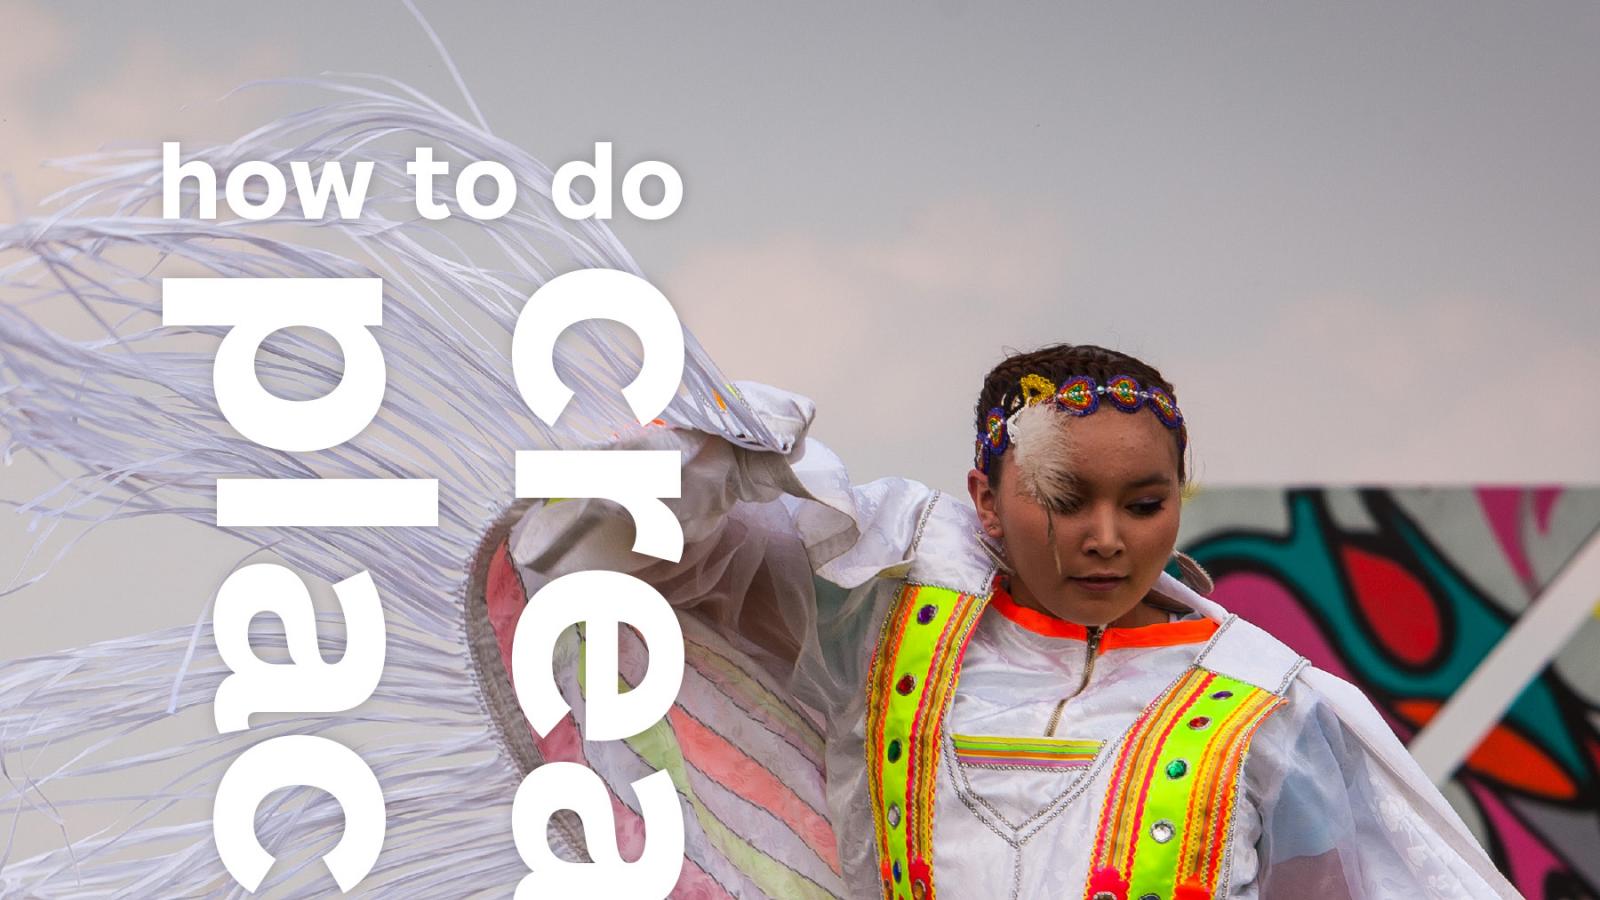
pixel 1404 592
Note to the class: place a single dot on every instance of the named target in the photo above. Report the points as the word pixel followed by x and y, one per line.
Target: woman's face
pixel 1122 523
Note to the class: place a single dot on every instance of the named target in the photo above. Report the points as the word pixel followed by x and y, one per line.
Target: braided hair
pixel 1058 362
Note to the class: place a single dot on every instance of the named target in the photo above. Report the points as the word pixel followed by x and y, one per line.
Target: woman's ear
pixel 983 499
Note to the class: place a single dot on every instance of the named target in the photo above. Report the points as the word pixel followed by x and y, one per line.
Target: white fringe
pixel 128 418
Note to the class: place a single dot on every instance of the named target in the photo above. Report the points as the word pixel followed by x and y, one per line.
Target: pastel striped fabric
pixel 746 761
pixel 1024 753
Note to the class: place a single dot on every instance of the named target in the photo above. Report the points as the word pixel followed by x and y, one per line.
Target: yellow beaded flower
pixel 1036 389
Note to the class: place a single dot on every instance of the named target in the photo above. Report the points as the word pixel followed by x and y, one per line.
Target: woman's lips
pixel 1099 584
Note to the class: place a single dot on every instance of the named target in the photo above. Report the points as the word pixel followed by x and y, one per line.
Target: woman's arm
pixel 778 546
pixel 1338 817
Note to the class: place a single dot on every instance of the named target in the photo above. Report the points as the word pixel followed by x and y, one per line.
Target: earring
pixel 995 556
pixel 1193 574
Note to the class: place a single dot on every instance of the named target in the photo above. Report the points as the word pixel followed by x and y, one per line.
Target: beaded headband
pixel 1079 395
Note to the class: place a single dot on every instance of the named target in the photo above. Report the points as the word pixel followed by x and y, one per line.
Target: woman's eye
pixel 1146 507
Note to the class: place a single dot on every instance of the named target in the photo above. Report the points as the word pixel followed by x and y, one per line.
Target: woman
pixel 1019 699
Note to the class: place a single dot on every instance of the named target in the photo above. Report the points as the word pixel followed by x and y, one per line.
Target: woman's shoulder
pixel 1310 697
pixel 1330 775
pixel 1328 729
pixel 945 548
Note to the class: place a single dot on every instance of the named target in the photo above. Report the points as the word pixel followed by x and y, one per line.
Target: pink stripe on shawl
pixel 732 768
pixel 505 599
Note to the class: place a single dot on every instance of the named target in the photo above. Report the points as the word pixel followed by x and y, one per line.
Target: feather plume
pixel 1045 455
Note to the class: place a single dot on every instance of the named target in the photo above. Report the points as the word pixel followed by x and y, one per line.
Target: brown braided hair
pixel 1058 362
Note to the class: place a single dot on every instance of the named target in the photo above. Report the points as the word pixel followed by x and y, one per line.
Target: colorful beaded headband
pixel 1078 396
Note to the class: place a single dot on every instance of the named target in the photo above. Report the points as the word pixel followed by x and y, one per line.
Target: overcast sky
pixel 1361 238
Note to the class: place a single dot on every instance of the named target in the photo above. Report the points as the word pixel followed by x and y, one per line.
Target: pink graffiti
pixel 1264 601
pixel 1530 860
pixel 1501 508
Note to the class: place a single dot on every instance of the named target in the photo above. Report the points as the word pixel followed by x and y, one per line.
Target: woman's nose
pixel 1102 537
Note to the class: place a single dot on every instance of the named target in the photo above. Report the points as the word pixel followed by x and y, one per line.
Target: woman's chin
pixel 1089 609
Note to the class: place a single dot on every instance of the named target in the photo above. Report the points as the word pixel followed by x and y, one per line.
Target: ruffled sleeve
pixel 771 536
pixel 1345 813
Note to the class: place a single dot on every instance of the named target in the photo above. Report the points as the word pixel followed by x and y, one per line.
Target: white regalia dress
pixel 1328 803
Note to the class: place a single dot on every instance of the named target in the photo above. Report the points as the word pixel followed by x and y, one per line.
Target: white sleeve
pixel 1347 815
pixel 765 534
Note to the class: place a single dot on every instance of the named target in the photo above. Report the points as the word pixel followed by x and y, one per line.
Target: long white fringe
pixel 127 416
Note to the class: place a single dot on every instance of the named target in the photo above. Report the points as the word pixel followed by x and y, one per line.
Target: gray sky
pixel 1359 237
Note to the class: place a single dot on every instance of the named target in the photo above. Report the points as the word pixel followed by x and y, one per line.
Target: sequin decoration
pixel 1222 695
pixel 995 426
pixel 1176 783
pixel 1036 388
pixel 1124 392
pixel 914 671
pixel 1078 396
pixel 921 878
pixel 1108 884
pixel 1167 411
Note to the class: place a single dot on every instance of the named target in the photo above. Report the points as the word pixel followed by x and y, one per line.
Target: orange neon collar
pixel 1165 634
